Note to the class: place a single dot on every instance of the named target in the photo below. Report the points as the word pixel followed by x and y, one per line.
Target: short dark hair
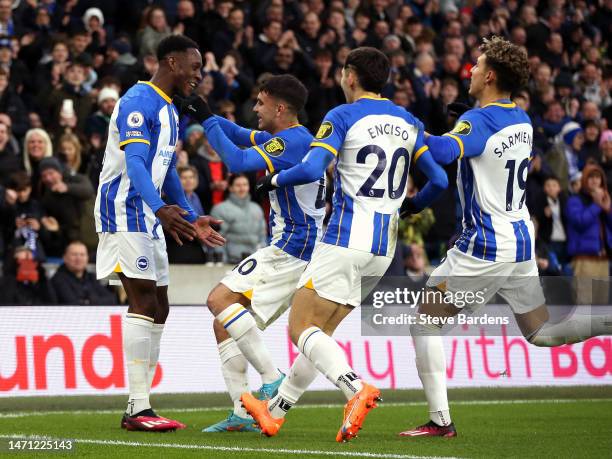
pixel 189 168
pixel 288 89
pixel 509 62
pixel 234 177
pixel 551 177
pixel 174 43
pixel 371 66
pixel 19 181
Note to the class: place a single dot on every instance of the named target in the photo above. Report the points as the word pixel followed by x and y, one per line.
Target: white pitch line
pixel 24 414
pixel 236 449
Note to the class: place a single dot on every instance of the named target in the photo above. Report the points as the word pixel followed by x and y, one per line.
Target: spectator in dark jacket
pixel 64 197
pixel 36 146
pixel 74 285
pixel 25 281
pixel 550 214
pixel 12 105
pixel 589 235
pixel 10 161
pixel 26 223
pixel 75 114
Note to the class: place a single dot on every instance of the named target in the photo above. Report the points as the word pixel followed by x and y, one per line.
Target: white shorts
pixel 268 278
pixel 335 273
pixel 137 255
pixel 517 283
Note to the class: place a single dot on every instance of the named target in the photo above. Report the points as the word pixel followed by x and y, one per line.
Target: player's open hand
pixel 171 218
pixel 265 185
pixel 206 234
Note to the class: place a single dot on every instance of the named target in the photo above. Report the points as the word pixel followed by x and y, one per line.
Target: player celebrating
pixel 264 282
pixel 372 141
pixel 495 252
pixel 139 161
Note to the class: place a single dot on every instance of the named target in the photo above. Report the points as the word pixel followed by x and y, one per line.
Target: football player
pixel 139 161
pixel 495 252
pixel 260 288
pixel 372 142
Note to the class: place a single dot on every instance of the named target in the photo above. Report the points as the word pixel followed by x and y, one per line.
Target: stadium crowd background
pixel 63 66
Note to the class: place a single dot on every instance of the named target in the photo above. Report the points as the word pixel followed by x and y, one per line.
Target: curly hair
pixel 509 62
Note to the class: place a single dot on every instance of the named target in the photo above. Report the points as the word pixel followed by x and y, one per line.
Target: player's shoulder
pixel 402 112
pixel 296 139
pixel 141 97
pixel 339 112
pixel 499 113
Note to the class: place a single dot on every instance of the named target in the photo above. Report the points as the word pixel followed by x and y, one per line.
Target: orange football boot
pixel 258 409
pixel 356 410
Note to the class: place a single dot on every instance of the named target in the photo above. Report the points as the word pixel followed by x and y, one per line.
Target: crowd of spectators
pixel 64 65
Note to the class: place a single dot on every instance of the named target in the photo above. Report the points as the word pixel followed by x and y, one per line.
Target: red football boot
pixel 431 429
pixel 148 421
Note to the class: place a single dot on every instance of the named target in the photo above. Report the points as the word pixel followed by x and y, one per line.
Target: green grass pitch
pixel 531 422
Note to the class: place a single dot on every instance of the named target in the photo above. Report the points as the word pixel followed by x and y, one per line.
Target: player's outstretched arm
pixel 311 169
pixel 444 149
pixel 242 136
pixel 236 159
pixel 171 217
pixel 437 183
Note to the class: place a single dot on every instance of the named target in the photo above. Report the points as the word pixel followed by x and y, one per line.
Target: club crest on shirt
pixel 463 127
pixel 274 146
pixel 135 119
pixel 325 130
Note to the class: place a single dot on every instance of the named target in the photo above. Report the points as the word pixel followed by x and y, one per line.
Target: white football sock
pixel 234 368
pixel 580 326
pixel 301 375
pixel 241 326
pixel 431 366
pixel 137 349
pixel 156 334
pixel 329 358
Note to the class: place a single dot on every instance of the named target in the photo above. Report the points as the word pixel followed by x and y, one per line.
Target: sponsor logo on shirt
pixel 463 127
pixel 275 146
pixel 325 130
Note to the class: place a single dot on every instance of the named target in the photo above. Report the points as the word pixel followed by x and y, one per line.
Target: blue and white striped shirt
pixel 145 114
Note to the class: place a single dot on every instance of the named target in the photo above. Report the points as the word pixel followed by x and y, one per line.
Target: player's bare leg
pixel 137 343
pixel 579 326
pixel 310 315
pixel 431 362
pixel 230 309
pixel 300 376
pixel 234 368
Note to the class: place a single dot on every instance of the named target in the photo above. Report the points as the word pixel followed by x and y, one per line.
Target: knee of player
pixel 294 334
pixel 215 302
pixel 541 340
pixel 422 328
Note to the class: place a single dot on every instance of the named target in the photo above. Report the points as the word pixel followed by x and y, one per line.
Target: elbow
pixel 313 175
pixel 445 158
pixel 440 182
